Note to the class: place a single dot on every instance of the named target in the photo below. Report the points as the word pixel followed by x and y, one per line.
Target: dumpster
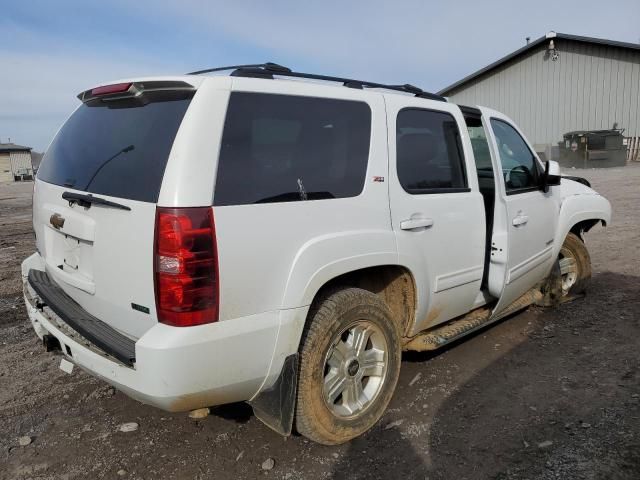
pixel 593 149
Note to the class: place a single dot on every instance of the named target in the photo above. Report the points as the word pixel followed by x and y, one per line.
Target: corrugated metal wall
pixel 21 163
pixel 588 88
pixel 5 168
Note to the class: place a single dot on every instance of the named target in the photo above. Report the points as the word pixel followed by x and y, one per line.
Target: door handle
pixel 414 223
pixel 520 220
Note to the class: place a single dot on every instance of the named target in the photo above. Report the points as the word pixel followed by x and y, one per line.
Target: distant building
pixel 558 84
pixel 15 162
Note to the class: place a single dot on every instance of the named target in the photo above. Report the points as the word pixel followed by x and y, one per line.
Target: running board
pixel 472 321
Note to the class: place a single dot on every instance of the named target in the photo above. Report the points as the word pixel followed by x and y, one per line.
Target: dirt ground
pixel 546 394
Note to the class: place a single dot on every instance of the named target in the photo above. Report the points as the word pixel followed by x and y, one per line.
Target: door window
pixel 519 165
pixel 429 152
pixel 284 148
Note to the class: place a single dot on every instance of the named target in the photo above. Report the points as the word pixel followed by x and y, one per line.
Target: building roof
pixel 12 147
pixel 531 45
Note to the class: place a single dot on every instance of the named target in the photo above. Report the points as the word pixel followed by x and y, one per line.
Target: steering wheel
pixel 519 177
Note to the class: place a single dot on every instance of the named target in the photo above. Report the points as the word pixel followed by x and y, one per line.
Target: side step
pixel 472 321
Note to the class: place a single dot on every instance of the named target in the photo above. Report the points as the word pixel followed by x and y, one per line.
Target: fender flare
pixel 274 404
pixel 580 208
pixel 309 272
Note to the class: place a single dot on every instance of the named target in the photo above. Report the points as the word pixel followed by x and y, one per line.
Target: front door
pixel 436 209
pixel 525 218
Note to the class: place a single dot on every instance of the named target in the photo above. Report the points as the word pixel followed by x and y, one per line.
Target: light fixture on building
pixel 551 48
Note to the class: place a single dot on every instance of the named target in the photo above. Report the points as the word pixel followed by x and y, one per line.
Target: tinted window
pixel 279 148
pixel 481 154
pixel 519 166
pixel 429 152
pixel 118 149
pixel 480 146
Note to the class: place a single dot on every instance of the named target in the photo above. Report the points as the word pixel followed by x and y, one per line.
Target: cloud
pixel 52 51
pixel 434 42
pixel 40 89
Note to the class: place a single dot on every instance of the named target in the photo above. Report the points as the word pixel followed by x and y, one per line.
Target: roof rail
pixel 274 67
pixel 268 70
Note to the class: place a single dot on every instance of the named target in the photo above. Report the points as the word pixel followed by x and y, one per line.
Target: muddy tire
pixel 575 266
pixel 349 366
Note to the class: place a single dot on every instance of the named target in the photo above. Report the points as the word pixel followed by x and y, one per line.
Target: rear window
pixel 118 149
pixel 279 148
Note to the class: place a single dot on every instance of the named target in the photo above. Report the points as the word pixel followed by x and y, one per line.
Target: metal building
pixel 15 162
pixel 560 83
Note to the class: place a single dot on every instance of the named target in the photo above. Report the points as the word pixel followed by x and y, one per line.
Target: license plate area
pixel 68 253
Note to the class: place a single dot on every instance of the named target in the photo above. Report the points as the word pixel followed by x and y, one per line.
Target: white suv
pixel 206 239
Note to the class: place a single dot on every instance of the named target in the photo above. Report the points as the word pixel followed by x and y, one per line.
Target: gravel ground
pixel 546 394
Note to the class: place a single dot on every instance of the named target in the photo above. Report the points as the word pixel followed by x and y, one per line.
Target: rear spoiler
pixel 120 91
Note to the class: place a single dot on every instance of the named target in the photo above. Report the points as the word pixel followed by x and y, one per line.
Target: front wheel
pixel 349 366
pixel 575 266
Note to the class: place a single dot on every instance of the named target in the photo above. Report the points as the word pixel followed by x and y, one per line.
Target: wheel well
pixel 585 225
pixel 393 283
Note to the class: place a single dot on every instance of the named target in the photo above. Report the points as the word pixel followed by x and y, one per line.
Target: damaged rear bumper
pixel 179 369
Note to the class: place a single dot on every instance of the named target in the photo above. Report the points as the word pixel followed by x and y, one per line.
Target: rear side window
pixel 280 148
pixel 118 149
pixel 429 152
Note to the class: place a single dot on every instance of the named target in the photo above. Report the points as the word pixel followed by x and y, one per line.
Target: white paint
pixel 113 250
pixel 447 285
pixel 525 223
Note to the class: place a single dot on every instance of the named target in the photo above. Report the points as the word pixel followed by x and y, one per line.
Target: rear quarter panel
pixel 189 176
pixel 277 255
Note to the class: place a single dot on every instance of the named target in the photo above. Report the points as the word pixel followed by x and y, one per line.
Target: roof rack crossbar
pixel 267 70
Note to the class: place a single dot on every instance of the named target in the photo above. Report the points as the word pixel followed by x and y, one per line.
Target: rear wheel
pixel 349 366
pixel 575 266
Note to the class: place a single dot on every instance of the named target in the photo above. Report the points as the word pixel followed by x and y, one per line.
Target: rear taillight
pixel 108 89
pixel 186 266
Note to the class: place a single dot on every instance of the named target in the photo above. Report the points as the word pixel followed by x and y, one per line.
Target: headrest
pixel 418 146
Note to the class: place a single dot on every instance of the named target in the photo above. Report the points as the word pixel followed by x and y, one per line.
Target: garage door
pixel 5 168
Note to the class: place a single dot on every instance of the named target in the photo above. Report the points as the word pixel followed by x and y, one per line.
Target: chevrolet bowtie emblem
pixel 57 221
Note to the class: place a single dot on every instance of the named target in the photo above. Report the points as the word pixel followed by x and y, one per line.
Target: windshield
pixel 119 150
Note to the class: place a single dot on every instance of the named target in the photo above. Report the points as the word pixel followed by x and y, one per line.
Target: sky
pixel 52 50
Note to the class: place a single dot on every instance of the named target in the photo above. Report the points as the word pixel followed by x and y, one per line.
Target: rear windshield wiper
pixel 86 200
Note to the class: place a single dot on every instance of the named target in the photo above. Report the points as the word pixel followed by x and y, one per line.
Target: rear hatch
pixel 96 194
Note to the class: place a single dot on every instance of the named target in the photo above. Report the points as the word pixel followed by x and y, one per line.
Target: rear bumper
pixel 180 369
pixel 98 333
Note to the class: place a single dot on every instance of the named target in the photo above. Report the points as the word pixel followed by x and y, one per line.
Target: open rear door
pixel 525 216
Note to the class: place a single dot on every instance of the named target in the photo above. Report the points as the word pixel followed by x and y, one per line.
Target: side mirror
pixel 551 175
pixel 554 168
